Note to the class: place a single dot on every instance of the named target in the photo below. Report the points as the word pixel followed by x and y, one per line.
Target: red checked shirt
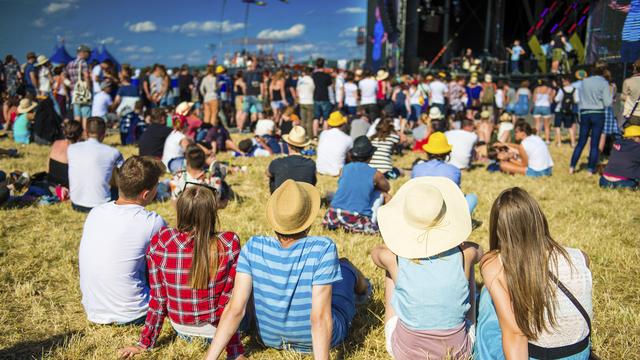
pixel 169 262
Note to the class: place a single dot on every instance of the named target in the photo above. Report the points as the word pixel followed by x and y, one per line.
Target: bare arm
pixel 381 183
pixel 321 321
pixel 385 259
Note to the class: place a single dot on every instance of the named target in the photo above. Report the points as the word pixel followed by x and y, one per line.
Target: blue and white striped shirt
pixel 282 282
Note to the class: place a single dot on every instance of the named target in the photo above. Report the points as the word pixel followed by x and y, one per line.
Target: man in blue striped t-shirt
pixel 304 297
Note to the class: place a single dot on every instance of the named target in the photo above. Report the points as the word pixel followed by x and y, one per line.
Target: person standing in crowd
pixel 533 158
pixel 12 75
pixel 112 250
pixel 253 94
pixel 439 91
pixel 305 90
pixel 611 129
pixel 185 84
pixel 463 142
pixel 278 95
pixel 488 97
pixel 384 88
pixel 523 94
pixel 239 89
pixel 595 96
pixel 361 191
pixel 333 145
pixel 537 294
pixel 321 105
pixel 45 78
pixel 324 288
pixel 457 95
pixel 290 85
pixel 224 95
pixel 294 166
pixel 368 87
pixel 543 95
pixel 77 72
pixel 127 95
pixel 473 96
pixel 623 168
pixel 350 95
pixel 515 51
pixel 558 53
pixel 194 291
pixel 567 100
pixel 31 75
pixel 91 165
pixel 58 173
pixel 430 283
pixel 400 101
pixel 208 89
pixel 631 95
pixel 60 90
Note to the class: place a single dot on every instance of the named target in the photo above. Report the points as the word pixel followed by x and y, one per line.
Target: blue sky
pixel 175 32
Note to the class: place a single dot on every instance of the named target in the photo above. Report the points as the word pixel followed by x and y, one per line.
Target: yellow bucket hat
pixel 632 131
pixel 336 119
pixel 437 144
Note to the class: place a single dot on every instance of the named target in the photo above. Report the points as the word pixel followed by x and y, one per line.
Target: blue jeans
pixel 322 109
pixel 622 184
pixel 138 322
pixel 343 303
pixel 591 124
pixel 539 173
pixel 515 68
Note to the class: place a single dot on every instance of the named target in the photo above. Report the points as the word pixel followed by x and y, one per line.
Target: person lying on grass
pixel 430 284
pixel 114 240
pixel 304 296
pixel 192 269
pixel 536 302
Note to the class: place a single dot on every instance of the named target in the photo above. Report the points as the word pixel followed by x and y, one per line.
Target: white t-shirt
pixel 101 103
pixel 44 80
pixel 537 153
pixel 415 95
pixel 265 127
pixel 499 96
pixel 96 74
pixel 438 89
pixel 90 166
pixel 112 262
pixel 305 89
pixel 462 143
pixel 566 90
pixel 333 146
pixel 350 94
pixel 172 147
pixel 368 90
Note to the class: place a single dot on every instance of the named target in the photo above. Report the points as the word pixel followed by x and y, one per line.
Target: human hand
pixel 129 352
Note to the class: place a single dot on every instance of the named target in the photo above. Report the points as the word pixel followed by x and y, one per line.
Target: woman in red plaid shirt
pixel 182 279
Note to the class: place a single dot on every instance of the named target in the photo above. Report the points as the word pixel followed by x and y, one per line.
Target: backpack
pixel 488 95
pixel 566 106
pixel 81 91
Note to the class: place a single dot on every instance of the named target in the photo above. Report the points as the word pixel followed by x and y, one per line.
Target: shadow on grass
pixel 368 317
pixel 36 349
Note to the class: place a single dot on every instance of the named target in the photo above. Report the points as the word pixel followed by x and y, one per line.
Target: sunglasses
pixel 215 191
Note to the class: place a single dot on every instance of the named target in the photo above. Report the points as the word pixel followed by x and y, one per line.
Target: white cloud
pixel 349 32
pixel 146 49
pixel 137 49
pixel 300 48
pixel 55 7
pixel 290 33
pixel 39 23
pixel 143 26
pixel 109 40
pixel 352 10
pixel 193 27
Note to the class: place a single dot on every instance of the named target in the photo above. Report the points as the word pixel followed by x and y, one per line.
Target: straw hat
pixel 485 114
pixel 219 69
pixel 632 131
pixel 437 144
pixel 505 117
pixel 381 75
pixel 293 207
pixel 42 60
pixel 296 137
pixel 435 113
pixel 336 119
pixel 183 108
pixel 427 216
pixel 26 105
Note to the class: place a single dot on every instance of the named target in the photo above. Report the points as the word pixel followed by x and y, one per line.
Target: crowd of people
pixel 290 289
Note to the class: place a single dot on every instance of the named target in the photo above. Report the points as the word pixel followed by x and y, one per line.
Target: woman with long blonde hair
pixel 208 89
pixel 536 302
pixel 192 271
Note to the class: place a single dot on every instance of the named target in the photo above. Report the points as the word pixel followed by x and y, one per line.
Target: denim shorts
pixel 622 184
pixel 322 109
pixel 82 111
pixel 541 111
pixel 251 104
pixel 539 173
pixel 343 303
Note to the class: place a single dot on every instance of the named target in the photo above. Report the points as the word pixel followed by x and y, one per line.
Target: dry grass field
pixel 41 315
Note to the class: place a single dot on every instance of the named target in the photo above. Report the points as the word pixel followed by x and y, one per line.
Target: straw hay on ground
pixel 41 314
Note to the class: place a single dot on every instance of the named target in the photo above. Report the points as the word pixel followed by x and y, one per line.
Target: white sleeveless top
pixel 571 326
pixel 542 100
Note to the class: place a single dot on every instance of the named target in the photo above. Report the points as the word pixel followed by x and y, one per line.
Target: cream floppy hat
pixel 427 216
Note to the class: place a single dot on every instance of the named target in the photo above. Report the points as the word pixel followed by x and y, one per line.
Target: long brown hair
pixel 197 216
pixel 384 128
pixel 519 232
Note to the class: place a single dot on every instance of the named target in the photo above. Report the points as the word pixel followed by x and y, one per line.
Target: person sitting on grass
pixel 295 166
pixel 151 142
pixel 192 269
pixel 196 172
pixel 333 145
pixel 23 123
pixel 438 152
pixel 623 169
pixel 361 190
pixel 293 268
pixel 430 282
pixel 91 165
pixel 385 140
pixel 534 158
pixel 115 237
pixel 536 302
pixel 175 145
pixel 58 173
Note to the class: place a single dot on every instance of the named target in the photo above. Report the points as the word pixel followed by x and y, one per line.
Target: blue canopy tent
pixel 94 56
pixel 60 55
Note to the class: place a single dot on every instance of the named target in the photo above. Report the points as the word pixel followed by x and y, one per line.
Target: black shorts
pixel 567 119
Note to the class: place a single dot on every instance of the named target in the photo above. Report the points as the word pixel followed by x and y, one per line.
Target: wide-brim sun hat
pixel 296 137
pixel 438 144
pixel 293 207
pixel 42 60
pixel 26 105
pixel 382 75
pixel 427 216
pixel 183 108
pixel 336 119
pixel 632 131
pixel 435 113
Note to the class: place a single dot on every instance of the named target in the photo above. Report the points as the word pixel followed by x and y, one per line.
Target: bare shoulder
pixel 490 266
